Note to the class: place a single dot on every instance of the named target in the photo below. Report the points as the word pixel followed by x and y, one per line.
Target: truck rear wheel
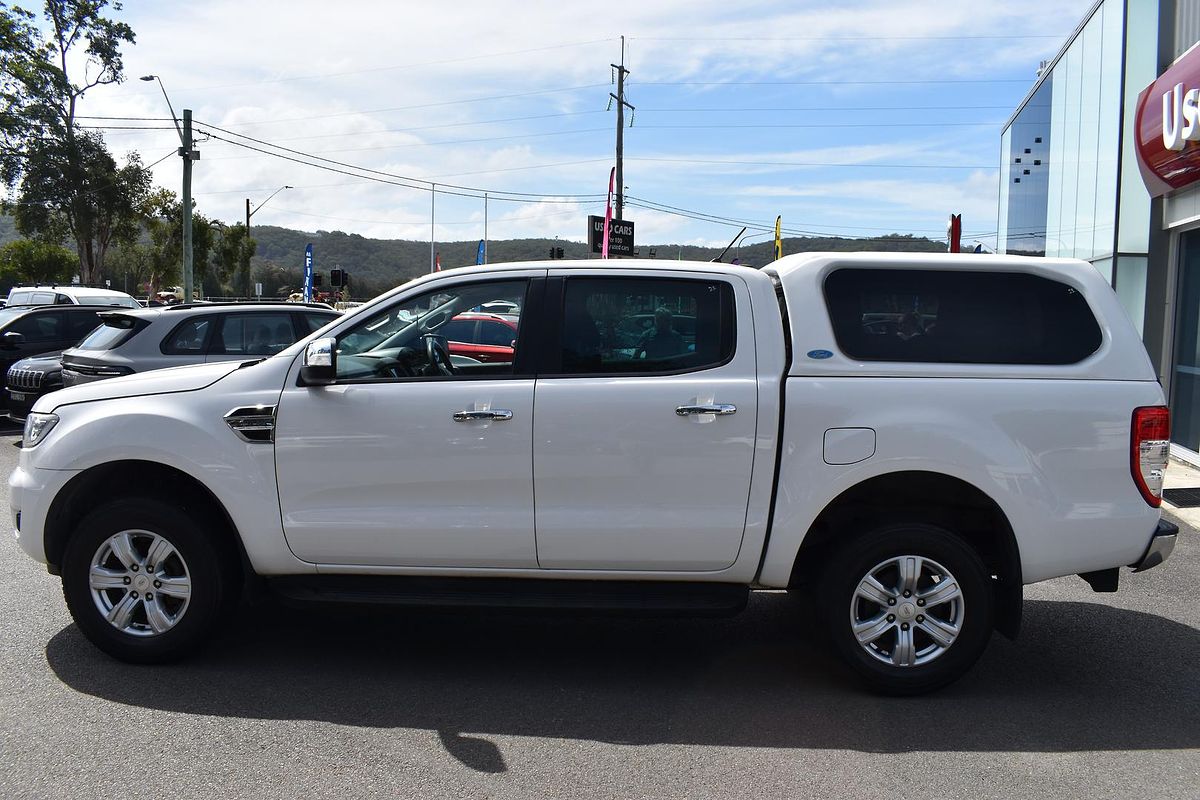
pixel 908 607
pixel 145 582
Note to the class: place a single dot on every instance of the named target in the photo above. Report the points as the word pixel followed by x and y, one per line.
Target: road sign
pixel 620 236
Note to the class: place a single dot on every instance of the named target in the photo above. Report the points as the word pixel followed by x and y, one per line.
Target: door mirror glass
pixel 320 362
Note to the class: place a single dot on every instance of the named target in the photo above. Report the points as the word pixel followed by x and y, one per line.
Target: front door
pixel 645 424
pixel 413 457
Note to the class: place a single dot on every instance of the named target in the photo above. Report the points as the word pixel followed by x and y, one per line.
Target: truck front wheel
pixel 908 607
pixel 146 582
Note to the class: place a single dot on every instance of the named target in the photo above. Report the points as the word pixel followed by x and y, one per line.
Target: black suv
pixel 36 330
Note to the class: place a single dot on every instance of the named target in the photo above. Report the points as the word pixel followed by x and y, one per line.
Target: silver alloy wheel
pixel 907 611
pixel 140 583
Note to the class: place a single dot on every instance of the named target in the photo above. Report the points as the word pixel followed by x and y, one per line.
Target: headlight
pixel 36 427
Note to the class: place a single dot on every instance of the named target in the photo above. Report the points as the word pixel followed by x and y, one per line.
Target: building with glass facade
pixel 1071 184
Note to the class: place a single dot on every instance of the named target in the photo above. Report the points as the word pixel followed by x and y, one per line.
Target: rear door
pixel 644 439
pixel 239 335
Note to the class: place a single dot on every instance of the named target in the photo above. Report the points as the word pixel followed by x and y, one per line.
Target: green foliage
pixel 32 261
pixel 231 256
pixel 69 184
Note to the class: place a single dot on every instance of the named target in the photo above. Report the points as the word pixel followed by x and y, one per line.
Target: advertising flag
pixel 479 253
pixel 308 273
pixel 612 176
pixel 437 262
pixel 778 239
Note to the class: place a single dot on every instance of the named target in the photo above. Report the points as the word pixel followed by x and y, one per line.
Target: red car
pixel 484 337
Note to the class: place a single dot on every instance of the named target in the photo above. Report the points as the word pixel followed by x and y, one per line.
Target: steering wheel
pixel 438 356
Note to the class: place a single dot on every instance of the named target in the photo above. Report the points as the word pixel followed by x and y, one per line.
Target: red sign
pixel 1167 127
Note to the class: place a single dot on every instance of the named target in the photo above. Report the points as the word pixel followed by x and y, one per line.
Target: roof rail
pixel 63 286
pixel 227 303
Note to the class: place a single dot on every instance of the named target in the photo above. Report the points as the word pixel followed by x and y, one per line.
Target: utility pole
pixel 186 152
pixel 432 216
pixel 621 105
pixel 485 232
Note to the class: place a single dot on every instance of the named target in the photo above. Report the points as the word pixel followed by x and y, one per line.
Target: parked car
pixel 35 330
pixel 909 485
pixel 172 336
pixel 483 337
pixel 29 379
pixel 52 294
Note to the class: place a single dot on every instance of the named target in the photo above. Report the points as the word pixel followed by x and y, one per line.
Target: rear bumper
pixel 1160 547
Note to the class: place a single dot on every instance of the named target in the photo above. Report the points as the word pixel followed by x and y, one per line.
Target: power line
pixel 401 180
pixel 987 123
pixel 434 127
pixel 437 144
pixel 860 109
pixel 835 82
pixel 872 38
pixel 807 163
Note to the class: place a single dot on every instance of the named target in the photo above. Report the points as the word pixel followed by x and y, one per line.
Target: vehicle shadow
pixel 1081 677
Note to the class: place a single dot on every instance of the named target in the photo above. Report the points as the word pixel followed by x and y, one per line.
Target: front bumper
pixel 1160 547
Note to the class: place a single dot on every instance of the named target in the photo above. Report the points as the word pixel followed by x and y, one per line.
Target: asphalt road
pixel 1099 697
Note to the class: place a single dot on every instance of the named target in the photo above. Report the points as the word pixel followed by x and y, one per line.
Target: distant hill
pixel 8 230
pixel 388 262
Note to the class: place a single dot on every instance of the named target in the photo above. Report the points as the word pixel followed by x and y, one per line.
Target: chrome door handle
pixel 720 409
pixel 497 414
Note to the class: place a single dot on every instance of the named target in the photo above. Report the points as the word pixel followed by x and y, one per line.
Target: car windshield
pixel 107 300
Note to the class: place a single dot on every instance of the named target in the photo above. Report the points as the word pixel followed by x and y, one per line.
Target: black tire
pixel 974 613
pixel 211 568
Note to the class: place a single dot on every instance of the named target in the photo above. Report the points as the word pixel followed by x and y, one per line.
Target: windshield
pixel 107 300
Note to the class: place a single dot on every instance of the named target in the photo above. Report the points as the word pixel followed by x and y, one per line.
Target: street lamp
pixel 250 214
pixel 188 154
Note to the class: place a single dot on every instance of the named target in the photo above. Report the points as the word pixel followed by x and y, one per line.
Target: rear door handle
pixel 495 414
pixel 720 409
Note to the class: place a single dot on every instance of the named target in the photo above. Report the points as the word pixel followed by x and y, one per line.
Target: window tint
pixel 188 338
pixel 62 300
pixel 314 322
pixel 253 334
pixel 959 317
pixel 632 325
pixel 394 344
pixel 496 334
pixel 20 298
pixel 39 327
pixel 459 330
pixel 80 325
pixel 42 298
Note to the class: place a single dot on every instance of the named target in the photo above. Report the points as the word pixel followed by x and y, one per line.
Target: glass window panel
pixel 1131 288
pixel 1141 57
pixel 1058 113
pixel 1089 120
pixel 1185 382
pixel 1108 143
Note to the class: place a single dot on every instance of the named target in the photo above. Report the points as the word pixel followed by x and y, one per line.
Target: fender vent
pixel 253 423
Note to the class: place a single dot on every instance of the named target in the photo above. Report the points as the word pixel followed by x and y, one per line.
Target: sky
pixel 853 119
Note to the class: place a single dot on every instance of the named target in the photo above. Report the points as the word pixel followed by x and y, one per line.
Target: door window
pixel 188 338
pixel 253 334
pixel 615 326
pixel 410 339
pixel 496 334
pixel 80 325
pixel 39 327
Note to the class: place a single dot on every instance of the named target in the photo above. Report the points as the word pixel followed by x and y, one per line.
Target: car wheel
pixel 145 582
pixel 908 607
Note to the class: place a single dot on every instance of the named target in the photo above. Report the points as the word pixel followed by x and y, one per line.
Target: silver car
pixel 144 339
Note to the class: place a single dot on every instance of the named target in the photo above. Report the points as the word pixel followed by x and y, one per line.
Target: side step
pixel 669 596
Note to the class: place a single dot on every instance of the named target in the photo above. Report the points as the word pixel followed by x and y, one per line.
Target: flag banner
pixel 612 176
pixel 778 238
pixel 479 253
pixel 437 261
pixel 308 273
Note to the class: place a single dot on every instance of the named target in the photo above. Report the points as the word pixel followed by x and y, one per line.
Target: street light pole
pixel 188 154
pixel 250 214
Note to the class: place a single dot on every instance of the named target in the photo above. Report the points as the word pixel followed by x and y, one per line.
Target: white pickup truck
pixel 906 438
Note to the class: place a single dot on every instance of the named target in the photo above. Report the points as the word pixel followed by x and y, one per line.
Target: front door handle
pixel 720 409
pixel 495 414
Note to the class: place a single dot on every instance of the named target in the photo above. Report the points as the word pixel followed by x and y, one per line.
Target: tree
pixel 232 257
pixel 36 262
pixel 163 215
pixel 68 180
pixel 78 190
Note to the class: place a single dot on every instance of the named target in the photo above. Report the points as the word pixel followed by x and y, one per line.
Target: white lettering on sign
pixel 1181 117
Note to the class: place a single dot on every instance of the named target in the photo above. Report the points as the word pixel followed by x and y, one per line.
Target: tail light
pixel 1149 450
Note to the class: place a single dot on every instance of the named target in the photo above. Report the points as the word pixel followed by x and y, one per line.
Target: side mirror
pixel 319 367
pixel 11 339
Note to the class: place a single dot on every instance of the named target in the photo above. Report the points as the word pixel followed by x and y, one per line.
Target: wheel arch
pixel 130 478
pixel 927 497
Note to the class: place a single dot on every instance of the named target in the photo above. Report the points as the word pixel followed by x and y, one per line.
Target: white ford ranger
pixel 908 437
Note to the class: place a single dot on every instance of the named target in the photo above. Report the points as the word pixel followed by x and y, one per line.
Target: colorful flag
pixel 479 253
pixel 308 273
pixel 437 261
pixel 778 240
pixel 612 176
